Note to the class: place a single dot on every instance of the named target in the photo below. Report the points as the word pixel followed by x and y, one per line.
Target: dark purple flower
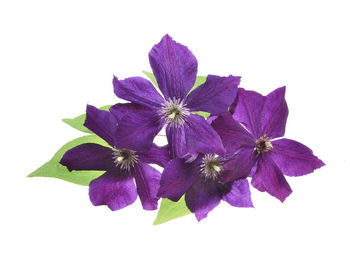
pixel 267 158
pixel 175 68
pixel 116 187
pixel 200 181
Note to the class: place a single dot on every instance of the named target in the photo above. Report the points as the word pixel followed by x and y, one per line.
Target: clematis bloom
pixel 116 187
pixel 175 69
pixel 200 179
pixel 263 156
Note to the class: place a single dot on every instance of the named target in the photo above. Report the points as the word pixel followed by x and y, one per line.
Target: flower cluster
pixel 207 159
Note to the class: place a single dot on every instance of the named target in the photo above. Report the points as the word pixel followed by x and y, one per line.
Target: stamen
pixel 263 144
pixel 211 166
pixel 174 112
pixel 125 158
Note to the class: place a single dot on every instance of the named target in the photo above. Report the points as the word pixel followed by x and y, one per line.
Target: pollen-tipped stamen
pixel 211 166
pixel 124 158
pixel 174 112
pixel 263 144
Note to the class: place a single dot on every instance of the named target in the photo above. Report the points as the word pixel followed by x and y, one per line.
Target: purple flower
pixel 175 68
pixel 116 187
pixel 201 182
pixel 255 145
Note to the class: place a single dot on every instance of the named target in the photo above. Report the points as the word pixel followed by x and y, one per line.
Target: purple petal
pixel 177 141
pixel 239 166
pixel 202 197
pixel 174 66
pixel 294 158
pixel 239 194
pixel 155 155
pixel 113 190
pixel 275 113
pixel 248 109
pixel 102 123
pixel 268 177
pixel 119 110
pixel 233 135
pixel 136 130
pixel 147 181
pixel 88 156
pixel 138 90
pixel 215 95
pixel 201 137
pixel 177 178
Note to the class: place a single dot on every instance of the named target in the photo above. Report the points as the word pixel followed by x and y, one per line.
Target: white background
pixel 57 56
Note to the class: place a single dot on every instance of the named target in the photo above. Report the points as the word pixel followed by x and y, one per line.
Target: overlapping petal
pixel 177 141
pixel 136 130
pixel 239 194
pixel 88 156
pixel 268 177
pixel 138 90
pixel 275 113
pixel 202 197
pixel 155 155
pixel 177 178
pixel 233 135
pixel 119 110
pixel 174 66
pixel 248 109
pixel 215 95
pixel 114 190
pixel 147 181
pixel 239 166
pixel 294 158
pixel 102 123
pixel 201 137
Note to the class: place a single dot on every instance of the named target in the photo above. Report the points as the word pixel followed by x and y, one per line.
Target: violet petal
pixel 294 158
pixel 113 190
pixel 275 113
pixel 249 105
pixel 177 178
pixel 136 130
pixel 202 197
pixel 239 194
pixel 174 66
pixel 138 90
pixel 155 155
pixel 102 123
pixel 176 140
pixel 119 110
pixel 239 166
pixel 88 156
pixel 268 177
pixel 201 137
pixel 215 95
pixel 232 133
pixel 147 181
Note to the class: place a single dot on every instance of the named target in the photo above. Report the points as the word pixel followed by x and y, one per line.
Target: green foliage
pixel 170 210
pixel 54 169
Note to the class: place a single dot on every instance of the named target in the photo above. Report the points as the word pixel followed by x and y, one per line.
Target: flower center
pixel 124 158
pixel 174 112
pixel 211 166
pixel 263 144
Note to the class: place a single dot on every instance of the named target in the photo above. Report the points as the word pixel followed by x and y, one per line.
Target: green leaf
pixel 203 114
pixel 54 169
pixel 78 122
pixel 170 210
pixel 152 78
pixel 199 80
